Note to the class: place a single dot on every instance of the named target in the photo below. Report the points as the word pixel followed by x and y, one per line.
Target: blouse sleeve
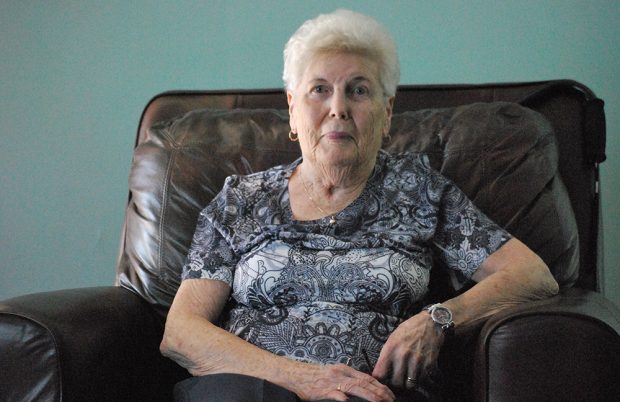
pixel 210 255
pixel 465 236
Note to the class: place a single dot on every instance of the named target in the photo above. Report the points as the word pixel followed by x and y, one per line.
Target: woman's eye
pixel 360 91
pixel 319 89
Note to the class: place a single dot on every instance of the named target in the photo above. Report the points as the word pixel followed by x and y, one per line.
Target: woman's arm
pixel 510 276
pixel 192 340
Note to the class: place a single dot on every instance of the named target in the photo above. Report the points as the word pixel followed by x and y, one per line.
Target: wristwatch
pixel 441 315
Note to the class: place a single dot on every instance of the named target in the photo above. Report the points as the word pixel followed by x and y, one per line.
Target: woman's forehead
pixel 345 67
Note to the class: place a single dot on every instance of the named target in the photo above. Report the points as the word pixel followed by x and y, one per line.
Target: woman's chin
pixel 339 159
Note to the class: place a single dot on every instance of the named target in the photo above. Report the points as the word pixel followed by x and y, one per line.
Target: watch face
pixel 441 315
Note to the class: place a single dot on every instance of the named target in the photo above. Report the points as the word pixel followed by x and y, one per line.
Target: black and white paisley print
pixel 326 293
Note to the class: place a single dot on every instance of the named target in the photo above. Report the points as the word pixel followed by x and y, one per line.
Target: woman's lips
pixel 337 135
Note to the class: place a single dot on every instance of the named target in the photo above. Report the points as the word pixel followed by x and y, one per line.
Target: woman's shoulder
pixel 240 194
pixel 405 161
pixel 262 180
pixel 410 173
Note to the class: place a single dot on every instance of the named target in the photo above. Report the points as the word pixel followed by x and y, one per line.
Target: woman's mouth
pixel 337 135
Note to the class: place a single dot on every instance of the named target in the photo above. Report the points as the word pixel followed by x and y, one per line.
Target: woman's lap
pixel 230 387
pixel 241 388
pixel 234 388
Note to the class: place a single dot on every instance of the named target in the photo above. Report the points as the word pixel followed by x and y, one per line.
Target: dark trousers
pixel 242 388
pixel 230 387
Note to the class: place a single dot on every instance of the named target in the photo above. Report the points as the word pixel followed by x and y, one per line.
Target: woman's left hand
pixel 410 352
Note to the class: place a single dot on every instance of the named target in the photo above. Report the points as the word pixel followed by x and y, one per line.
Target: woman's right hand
pixel 337 382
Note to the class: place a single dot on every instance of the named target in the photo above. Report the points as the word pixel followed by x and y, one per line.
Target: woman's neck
pixel 332 183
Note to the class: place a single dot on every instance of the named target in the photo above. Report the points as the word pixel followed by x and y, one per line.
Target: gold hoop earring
pixel 293 136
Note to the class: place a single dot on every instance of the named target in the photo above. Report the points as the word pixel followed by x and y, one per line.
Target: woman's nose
pixel 339 107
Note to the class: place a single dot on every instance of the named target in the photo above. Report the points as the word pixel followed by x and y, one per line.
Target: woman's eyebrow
pixel 360 78
pixel 317 81
pixel 356 78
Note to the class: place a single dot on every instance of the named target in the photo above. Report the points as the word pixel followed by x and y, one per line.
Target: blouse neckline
pixel 354 208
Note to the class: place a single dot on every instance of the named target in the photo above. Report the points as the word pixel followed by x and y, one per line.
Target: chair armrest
pixel 563 349
pixel 82 344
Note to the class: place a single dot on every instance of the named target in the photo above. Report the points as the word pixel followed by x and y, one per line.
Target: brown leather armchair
pixel 526 153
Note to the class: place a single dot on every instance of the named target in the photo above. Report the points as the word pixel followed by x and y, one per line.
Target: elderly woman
pixel 327 260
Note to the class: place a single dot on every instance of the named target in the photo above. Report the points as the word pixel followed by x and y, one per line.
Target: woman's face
pixel 339 111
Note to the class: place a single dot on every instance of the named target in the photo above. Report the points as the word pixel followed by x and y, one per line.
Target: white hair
pixel 342 31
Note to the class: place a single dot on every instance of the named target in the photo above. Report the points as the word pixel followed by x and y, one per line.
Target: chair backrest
pixel 189 141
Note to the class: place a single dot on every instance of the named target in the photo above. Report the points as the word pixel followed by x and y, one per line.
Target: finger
pixel 336 395
pixel 428 365
pixel 381 371
pixel 364 379
pixel 369 389
pixel 380 389
pixel 361 384
pixel 429 368
pixel 413 373
pixel 399 372
pixel 411 383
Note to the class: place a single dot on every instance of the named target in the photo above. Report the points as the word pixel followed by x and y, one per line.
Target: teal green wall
pixel 75 75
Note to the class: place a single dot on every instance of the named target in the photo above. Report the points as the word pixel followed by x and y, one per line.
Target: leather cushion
pixel 501 154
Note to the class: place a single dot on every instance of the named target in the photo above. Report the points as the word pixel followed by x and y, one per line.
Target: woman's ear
pixel 388 115
pixel 291 105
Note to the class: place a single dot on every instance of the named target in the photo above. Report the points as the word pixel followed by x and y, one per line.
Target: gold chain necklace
pixel 332 218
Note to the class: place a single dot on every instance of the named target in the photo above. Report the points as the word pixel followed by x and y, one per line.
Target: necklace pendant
pixel 332 220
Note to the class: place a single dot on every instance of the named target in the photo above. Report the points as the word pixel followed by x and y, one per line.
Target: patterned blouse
pixel 324 293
